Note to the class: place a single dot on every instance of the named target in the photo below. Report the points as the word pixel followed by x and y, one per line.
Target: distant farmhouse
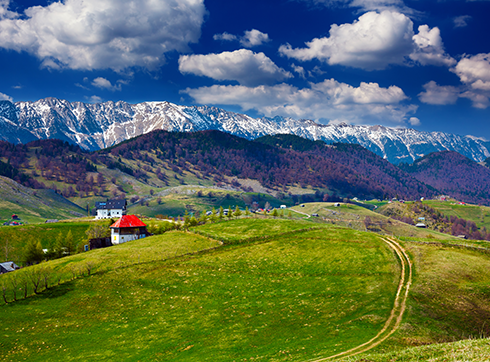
pixel 8 266
pixel 128 228
pixel 110 208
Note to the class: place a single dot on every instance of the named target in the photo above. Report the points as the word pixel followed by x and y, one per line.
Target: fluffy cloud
pixel 4 97
pixel 244 66
pixel 430 50
pixel 106 84
pixel 475 71
pixel 329 100
pixel 373 42
pixel 5 13
pixel 100 34
pixel 250 38
pixel 254 38
pixel 94 99
pixel 414 121
pixel 439 95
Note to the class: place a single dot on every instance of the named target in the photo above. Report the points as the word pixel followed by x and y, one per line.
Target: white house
pixel 128 228
pixel 110 208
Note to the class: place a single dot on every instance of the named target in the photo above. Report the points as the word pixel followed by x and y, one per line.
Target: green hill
pixel 272 290
pixel 34 205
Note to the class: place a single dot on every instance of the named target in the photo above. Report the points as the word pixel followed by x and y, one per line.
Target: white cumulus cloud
pixel 325 101
pixel 430 49
pixel 373 42
pixel 414 121
pixel 106 84
pixel 244 66
pixel 94 99
pixel 474 70
pixel 439 95
pixel 101 34
pixel 253 38
pixel 4 97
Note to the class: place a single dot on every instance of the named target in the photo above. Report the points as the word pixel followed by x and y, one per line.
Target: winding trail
pixel 396 315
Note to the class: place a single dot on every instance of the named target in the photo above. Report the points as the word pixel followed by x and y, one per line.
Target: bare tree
pixel 4 289
pixel 91 265
pixel 35 275
pixel 14 283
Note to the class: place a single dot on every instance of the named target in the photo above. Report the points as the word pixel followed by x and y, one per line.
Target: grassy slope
pixel 17 237
pixel 323 290
pixel 33 206
pixel 353 216
pixel 467 350
pixel 316 293
pixel 479 214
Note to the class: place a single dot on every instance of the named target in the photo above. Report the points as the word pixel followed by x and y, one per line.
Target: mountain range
pixel 100 125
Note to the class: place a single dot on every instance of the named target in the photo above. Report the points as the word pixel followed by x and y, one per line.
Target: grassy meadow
pixel 257 288
pixel 294 297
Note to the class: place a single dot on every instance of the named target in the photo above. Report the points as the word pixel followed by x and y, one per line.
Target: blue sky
pixel 423 64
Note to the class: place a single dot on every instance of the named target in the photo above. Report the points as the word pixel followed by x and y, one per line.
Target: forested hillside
pixel 453 174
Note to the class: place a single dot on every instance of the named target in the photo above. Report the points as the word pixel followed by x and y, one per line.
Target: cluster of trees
pixel 63 245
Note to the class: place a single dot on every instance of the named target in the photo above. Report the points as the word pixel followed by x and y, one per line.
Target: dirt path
pixel 300 212
pixel 396 315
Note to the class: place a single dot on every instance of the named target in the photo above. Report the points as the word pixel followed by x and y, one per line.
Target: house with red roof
pixel 128 228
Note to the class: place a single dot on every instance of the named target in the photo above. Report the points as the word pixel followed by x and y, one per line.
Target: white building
pixel 110 208
pixel 128 228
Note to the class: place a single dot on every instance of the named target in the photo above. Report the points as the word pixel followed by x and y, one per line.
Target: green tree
pixel 70 244
pixel 33 252
pixel 193 221
pixel 247 211
pixel 237 212
pixel 59 246
pixel 98 230
pixel 275 213
pixel 221 212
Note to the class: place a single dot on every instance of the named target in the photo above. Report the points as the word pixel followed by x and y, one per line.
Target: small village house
pixel 110 208
pixel 8 266
pixel 128 228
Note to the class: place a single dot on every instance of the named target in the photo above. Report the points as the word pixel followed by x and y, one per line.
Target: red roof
pixel 128 221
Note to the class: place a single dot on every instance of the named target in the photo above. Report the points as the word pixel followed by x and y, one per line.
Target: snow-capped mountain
pixel 100 125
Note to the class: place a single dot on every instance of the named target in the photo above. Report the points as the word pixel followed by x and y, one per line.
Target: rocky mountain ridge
pixel 100 125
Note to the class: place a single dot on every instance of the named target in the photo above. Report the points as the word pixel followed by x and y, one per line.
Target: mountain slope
pixel 34 205
pixel 358 159
pixel 163 159
pixel 220 154
pixel 99 125
pixel 454 175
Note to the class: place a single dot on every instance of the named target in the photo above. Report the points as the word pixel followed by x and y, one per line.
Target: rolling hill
pixel 320 290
